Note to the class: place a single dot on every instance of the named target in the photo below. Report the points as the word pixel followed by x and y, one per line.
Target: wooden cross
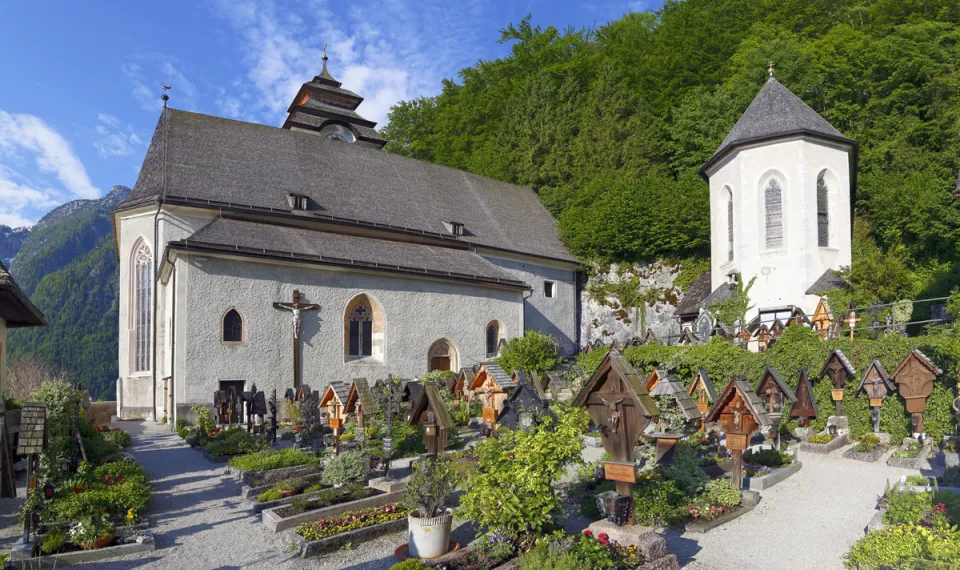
pixel 773 406
pixel 295 307
pixel 852 320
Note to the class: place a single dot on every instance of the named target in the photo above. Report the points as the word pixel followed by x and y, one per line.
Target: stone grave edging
pixel 772 478
pixel 308 548
pixel 276 523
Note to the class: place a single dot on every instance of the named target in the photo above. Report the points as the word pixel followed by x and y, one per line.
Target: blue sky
pixel 80 81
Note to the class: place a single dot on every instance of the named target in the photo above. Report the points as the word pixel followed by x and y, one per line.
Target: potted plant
pixel 91 532
pixel 429 522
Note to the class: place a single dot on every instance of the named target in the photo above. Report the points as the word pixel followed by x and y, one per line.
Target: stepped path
pixel 200 522
pixel 807 522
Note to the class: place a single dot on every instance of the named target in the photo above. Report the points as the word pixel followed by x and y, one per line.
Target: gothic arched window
pixel 823 212
pixel 361 331
pixel 232 326
pixel 494 334
pixel 729 225
pixel 142 307
pixel 773 215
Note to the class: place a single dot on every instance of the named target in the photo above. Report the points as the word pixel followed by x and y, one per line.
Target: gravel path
pixel 807 522
pixel 200 523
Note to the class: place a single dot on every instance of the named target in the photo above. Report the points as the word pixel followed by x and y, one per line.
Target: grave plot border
pixel 309 548
pixel 825 448
pixel 772 478
pixel 272 475
pixel 249 493
pixel 868 456
pixel 911 462
pixel 276 523
pixel 20 556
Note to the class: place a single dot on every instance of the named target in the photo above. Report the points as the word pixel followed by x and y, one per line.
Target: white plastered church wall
pixel 556 315
pixel 417 312
pixel 135 396
pixel 783 274
pixel 3 355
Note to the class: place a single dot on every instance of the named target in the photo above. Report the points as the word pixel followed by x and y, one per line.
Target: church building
pixel 306 254
pixel 782 186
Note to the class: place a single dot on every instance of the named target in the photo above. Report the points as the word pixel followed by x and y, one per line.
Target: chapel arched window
pixel 360 331
pixel 773 215
pixel 142 307
pixel 232 326
pixel 823 212
pixel 493 338
pixel 729 225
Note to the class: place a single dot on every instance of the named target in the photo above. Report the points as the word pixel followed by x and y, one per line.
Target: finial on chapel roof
pixel 324 59
pixel 165 97
pixel 770 70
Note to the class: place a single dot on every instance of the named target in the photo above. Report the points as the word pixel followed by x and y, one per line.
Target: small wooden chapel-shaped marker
pixel 741 414
pixel 430 411
pixel 876 384
pixel 360 402
pixel 703 394
pixel 616 398
pixel 491 386
pixel 838 368
pixel 822 318
pixel 774 391
pixel 914 377
pixel 804 408
pixel 671 387
pixel 334 399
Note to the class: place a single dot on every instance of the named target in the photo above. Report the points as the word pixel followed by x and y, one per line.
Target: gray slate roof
pixel 776 112
pixel 829 280
pixel 225 163
pixel 851 371
pixel 16 309
pixel 696 292
pixel 722 293
pixel 255 239
pixel 500 376
pixel 708 385
pixel 884 377
pixel 670 386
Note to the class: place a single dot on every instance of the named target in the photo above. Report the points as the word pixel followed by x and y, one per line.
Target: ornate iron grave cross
pixel 295 307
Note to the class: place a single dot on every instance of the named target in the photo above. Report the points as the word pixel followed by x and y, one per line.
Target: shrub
pixel 533 352
pixel 205 421
pixel 868 443
pixel 906 546
pixel 180 424
pixel 118 437
pixel 410 564
pixel 906 507
pixel 273 494
pixel 719 492
pixel 183 432
pixel 53 540
pixel 821 438
pixel 918 480
pixel 655 499
pixel 271 459
pixel 909 452
pixel 685 470
pixel 512 488
pixel 951 476
pixel 234 441
pixel 349 467
pixel 768 458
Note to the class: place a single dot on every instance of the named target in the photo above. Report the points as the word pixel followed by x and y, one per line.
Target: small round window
pixel 338 133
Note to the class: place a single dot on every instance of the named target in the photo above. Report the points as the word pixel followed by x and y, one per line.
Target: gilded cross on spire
pixel 770 69
pixel 324 52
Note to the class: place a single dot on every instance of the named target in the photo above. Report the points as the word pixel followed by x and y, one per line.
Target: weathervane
pixel 770 69
pixel 165 97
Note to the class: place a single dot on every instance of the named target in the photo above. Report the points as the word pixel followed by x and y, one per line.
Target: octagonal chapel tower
pixel 781 191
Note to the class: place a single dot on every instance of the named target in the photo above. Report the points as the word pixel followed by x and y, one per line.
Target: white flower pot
pixel 429 537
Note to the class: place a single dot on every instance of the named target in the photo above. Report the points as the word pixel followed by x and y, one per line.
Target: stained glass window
pixel 729 225
pixel 773 210
pixel 143 307
pixel 360 332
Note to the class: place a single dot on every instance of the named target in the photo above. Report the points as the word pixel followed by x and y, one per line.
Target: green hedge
pixel 800 347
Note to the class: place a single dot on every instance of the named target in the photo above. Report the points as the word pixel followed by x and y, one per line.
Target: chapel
pixel 782 185
pixel 307 254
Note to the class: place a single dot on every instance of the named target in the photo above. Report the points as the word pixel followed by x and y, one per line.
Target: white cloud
pixel 26 134
pixel 384 51
pixel 15 198
pixel 113 138
pixel 147 72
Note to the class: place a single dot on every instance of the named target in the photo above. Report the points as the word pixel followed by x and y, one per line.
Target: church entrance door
pixel 440 363
pixel 442 356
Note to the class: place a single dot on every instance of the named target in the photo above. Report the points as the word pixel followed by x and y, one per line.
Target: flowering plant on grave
pixel 91 528
pixel 704 512
pixel 352 520
pixel 291 484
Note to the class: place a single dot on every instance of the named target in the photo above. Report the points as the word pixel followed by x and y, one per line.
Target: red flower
pixel 604 541
pixel 603 536
pixel 588 532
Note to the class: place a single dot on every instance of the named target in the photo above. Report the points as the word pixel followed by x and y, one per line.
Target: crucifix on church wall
pixel 295 308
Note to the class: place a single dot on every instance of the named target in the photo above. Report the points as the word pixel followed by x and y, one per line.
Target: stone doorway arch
pixel 443 355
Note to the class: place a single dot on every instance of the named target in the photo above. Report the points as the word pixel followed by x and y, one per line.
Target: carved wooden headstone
pixel 838 368
pixel 775 392
pixel 914 377
pixel 618 403
pixel 703 394
pixel 741 414
pixel 431 412
pixel 822 318
pixel 525 403
pixel 804 408
pixel 876 384
pixel 491 386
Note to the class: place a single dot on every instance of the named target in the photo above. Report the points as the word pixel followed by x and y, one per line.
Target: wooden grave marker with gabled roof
pixel 763 338
pixel 741 414
pixel 671 387
pixel 361 401
pixel 703 393
pixel 430 411
pixel 654 379
pixel 774 392
pixel 616 398
pixel 410 391
pixel 491 386
pixel 334 399
pixel 798 317
pixel 822 318
pixel 804 408
pixel 461 384
pixel 838 368
pixel 914 377
pixel 876 384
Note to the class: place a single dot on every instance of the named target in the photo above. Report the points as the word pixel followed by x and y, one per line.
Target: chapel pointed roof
pixel 776 113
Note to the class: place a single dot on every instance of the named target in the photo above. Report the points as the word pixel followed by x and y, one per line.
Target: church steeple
pixel 322 106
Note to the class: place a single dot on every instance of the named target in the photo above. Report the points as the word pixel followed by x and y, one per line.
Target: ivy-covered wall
pixel 800 347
